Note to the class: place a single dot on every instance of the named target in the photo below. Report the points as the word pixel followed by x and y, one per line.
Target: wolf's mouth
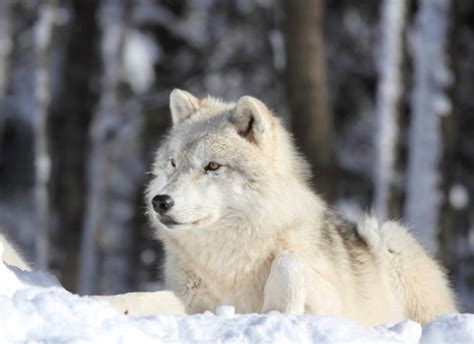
pixel 168 220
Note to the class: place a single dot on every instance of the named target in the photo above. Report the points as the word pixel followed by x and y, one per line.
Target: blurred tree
pixel 388 107
pixel 429 104
pixel 457 239
pixel 6 46
pixel 311 118
pixel 210 47
pixel 45 27
pixel 69 121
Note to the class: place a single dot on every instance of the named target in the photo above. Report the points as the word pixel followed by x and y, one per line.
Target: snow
pixel 43 27
pixel 140 53
pixel 35 308
pixel 450 329
pixel 458 196
pixel 225 311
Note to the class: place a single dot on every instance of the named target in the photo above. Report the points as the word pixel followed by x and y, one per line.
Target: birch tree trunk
pixel 103 127
pixel 389 91
pixel 5 52
pixel 306 86
pixel 43 35
pixel 429 103
pixel 126 179
pixel 5 46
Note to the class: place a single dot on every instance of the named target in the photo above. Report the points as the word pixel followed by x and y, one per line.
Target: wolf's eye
pixel 173 162
pixel 212 166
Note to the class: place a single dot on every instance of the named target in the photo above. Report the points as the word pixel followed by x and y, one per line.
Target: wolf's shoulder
pixel 334 224
pixel 339 232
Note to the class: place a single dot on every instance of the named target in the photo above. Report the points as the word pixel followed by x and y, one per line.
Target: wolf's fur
pixel 11 255
pixel 253 234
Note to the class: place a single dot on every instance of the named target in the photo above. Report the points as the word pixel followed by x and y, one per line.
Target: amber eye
pixel 212 166
pixel 173 162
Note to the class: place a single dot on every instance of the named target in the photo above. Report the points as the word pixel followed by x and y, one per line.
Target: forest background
pixel 379 96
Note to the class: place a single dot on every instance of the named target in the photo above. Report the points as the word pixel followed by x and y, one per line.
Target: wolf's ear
pixel 252 120
pixel 182 104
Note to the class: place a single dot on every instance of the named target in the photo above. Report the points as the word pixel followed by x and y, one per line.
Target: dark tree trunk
pixel 70 119
pixel 451 218
pixel 307 94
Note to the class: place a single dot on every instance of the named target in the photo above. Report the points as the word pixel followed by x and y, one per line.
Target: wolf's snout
pixel 162 203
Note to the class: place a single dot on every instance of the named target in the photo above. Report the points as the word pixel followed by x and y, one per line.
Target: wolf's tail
pixel 418 279
pixel 369 230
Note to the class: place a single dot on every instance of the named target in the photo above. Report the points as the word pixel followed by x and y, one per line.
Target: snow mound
pixel 35 308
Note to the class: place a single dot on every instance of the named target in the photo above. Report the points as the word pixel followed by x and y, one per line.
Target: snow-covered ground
pixel 35 308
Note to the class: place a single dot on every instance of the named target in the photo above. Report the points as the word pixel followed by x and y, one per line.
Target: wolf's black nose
pixel 162 203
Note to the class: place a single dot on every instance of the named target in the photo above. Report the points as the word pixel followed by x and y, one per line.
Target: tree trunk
pixel 104 126
pixel 69 122
pixel 429 104
pixel 389 91
pixel 307 95
pixel 42 39
pixel 5 46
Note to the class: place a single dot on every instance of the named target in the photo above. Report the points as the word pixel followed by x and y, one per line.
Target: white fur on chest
pixel 232 264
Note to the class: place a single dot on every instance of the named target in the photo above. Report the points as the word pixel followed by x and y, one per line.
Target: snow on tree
pixel 139 56
pixel 429 103
pixel 388 98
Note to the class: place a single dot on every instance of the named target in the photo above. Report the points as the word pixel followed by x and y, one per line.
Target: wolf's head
pixel 221 163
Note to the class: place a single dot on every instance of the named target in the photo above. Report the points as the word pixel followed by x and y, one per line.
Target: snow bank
pixel 35 308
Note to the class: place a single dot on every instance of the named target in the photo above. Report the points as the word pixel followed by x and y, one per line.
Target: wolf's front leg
pixel 285 287
pixel 189 288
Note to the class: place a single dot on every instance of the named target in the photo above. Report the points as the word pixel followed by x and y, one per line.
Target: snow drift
pixel 35 308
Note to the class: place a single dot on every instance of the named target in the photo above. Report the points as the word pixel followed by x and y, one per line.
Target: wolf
pixel 231 201
pixel 11 256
